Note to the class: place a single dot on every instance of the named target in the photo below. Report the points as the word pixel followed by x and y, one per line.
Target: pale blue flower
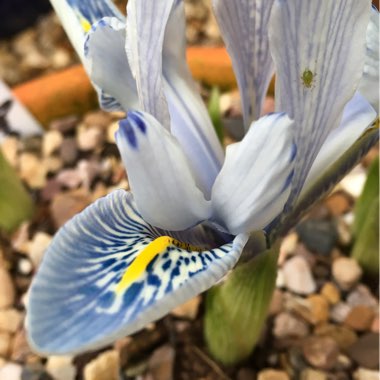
pixel 128 259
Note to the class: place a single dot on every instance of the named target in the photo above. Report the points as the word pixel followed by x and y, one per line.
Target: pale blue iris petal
pixel 254 183
pixel 78 15
pixel 369 84
pixel 146 24
pixel 244 27
pixel 358 115
pixel 75 303
pixel 318 48
pixel 108 67
pixel 190 122
pixel 161 179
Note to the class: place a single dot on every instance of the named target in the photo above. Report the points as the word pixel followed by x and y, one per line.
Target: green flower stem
pixel 236 310
pixel 214 112
pixel 15 203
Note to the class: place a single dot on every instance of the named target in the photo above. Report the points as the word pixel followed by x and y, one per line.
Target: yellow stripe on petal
pixel 85 25
pixel 139 265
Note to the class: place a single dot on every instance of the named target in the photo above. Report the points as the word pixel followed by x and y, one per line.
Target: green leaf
pixel 369 194
pixel 214 112
pixel 15 203
pixel 366 223
pixel 237 309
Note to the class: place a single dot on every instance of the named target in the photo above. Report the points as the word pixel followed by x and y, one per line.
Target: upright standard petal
pixel 108 65
pixel 164 187
pixel 318 48
pixel 146 25
pixel 369 84
pixel 190 122
pixel 244 27
pixel 254 183
pixel 358 115
pixel 78 15
pixel 108 273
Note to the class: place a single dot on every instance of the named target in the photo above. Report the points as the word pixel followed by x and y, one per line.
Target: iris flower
pixel 130 257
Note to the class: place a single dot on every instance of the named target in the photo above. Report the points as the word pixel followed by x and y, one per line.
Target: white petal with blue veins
pixel 254 183
pixel 318 48
pixel 108 273
pixel 244 27
pixel 161 179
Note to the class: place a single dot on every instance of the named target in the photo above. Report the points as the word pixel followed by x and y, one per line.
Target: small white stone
pixel 366 374
pixel 353 183
pixel 52 140
pixel 298 276
pixel 111 130
pixel 11 371
pixel 287 325
pixel 339 312
pixel 38 246
pixel 10 320
pixel 346 272
pixel 89 138
pixel 32 170
pixel 280 279
pixel 104 367
pixel 61 367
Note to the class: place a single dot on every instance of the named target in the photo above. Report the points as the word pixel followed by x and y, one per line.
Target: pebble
pixel 21 350
pixel 64 125
pixel 331 293
pixel 338 203
pixel 35 371
pixel 342 335
pixel 103 367
pixel 111 130
pixel 313 374
pixel 375 325
pixel 7 291
pixel 5 344
pixel 319 309
pixel 52 164
pixel 68 204
pixel 187 310
pixel 320 352
pixel 61 367
pixel 272 374
pixel 288 247
pixel 37 247
pixel 319 236
pixel 339 312
pixel 344 232
pixel 51 141
pixel 70 178
pixel 99 119
pixel 32 171
pixel 287 325
pixel 69 151
pixel 365 351
pixel 298 276
pixel 89 138
pixel 361 295
pixel 10 320
pixel 366 374
pixel 354 182
pixel 360 318
pixel 346 272
pixel 11 371
pixel 280 278
pixel 277 302
pixel 161 363
pixel 9 148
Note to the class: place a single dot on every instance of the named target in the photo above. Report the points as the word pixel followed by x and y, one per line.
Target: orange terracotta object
pixel 59 94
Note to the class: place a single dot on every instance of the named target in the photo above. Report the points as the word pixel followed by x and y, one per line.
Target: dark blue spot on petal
pixel 106 299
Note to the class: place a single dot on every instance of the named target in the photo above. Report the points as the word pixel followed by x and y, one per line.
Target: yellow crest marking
pixel 85 24
pixel 140 263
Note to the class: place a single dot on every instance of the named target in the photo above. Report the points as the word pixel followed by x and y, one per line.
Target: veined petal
pixel 108 273
pixel 369 84
pixel 146 24
pixel 108 65
pixel 163 185
pixel 244 27
pixel 190 122
pixel 318 48
pixel 254 183
pixel 358 115
pixel 78 15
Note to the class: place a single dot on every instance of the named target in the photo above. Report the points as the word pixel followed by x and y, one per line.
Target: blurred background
pixel 323 322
